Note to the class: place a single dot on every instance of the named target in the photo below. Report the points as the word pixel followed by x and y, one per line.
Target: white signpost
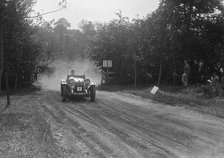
pixel 154 90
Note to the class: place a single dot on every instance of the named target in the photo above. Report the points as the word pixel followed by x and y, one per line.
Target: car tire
pixel 64 93
pixel 93 93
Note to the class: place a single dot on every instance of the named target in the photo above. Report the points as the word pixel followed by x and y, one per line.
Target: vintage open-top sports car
pixel 77 85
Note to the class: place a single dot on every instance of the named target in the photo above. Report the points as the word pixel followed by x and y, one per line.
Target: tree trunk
pixel 160 70
pixel 7 83
pixel 135 70
pixel 17 69
pixel 1 56
pixel 1 74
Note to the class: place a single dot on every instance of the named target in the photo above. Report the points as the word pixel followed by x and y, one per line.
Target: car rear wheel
pixel 64 92
pixel 65 99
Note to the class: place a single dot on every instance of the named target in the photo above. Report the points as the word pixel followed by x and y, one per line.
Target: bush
pixel 213 90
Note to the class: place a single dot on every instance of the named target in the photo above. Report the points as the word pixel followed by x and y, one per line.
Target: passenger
pixel 187 71
pixel 184 79
pixel 216 85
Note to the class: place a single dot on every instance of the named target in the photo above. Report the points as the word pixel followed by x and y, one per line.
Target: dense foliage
pixel 18 48
pixel 23 51
pixel 156 46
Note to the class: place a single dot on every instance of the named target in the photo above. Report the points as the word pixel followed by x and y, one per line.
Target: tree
pixel 2 9
pixel 117 41
pixel 175 33
pixel 87 27
pixel 1 56
pixel 18 47
pixel 62 24
pixel 13 22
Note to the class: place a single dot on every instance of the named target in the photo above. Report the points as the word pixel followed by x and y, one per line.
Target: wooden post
pixel 107 78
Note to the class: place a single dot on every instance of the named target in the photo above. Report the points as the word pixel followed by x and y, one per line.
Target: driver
pixel 71 75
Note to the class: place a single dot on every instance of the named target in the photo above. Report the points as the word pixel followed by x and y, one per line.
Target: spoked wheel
pixel 65 99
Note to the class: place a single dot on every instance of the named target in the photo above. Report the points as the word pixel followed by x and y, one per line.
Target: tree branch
pixel 39 15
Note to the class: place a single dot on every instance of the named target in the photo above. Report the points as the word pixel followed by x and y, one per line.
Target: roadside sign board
pixel 107 63
pixel 104 63
pixel 154 90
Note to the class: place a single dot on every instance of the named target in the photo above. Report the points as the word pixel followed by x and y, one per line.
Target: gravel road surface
pixel 127 126
pixel 116 125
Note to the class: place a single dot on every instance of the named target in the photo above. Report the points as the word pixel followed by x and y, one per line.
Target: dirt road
pixel 115 125
pixel 127 126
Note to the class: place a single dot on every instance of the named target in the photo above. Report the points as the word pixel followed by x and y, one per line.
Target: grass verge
pixel 23 131
pixel 192 97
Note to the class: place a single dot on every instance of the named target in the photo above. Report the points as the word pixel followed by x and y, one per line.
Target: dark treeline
pixel 18 49
pixel 143 50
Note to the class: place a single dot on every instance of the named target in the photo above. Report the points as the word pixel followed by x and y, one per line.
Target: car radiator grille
pixel 77 87
pixel 81 84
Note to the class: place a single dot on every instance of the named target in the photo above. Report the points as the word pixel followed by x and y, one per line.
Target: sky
pixel 95 10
